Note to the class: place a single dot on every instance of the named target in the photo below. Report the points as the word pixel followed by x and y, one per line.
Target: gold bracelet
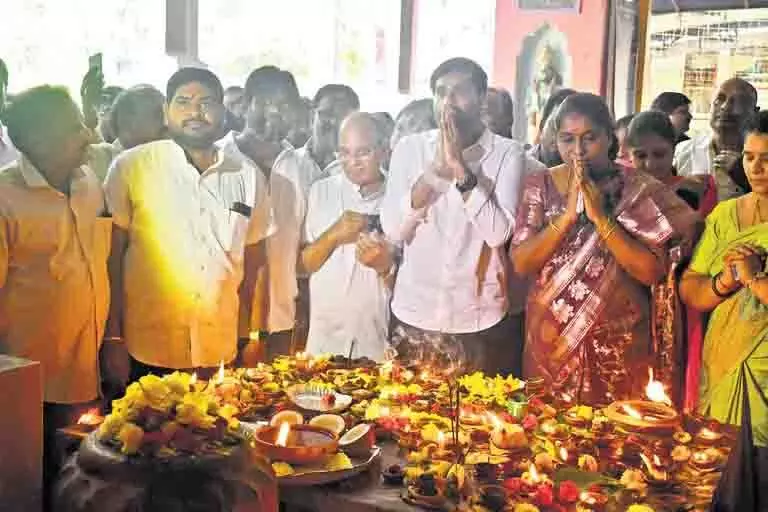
pixel 606 233
pixel 555 228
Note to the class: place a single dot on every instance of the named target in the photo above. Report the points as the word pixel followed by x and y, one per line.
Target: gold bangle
pixel 605 233
pixel 555 228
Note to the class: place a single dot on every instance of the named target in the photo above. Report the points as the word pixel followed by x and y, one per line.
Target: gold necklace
pixel 757 213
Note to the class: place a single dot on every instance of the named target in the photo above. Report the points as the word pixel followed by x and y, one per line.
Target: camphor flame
pixel 631 411
pixel 441 439
pixel 282 434
pixel 655 390
pixel 90 417
pixel 534 474
pixel 193 379
pixel 563 454
pixel 220 373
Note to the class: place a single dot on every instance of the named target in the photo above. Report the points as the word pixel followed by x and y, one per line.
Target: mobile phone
pixel 374 224
pixel 95 61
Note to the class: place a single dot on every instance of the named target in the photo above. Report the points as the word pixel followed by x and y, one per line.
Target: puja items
pixel 653 415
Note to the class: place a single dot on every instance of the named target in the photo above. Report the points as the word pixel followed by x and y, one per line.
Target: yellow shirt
pixel 184 262
pixel 54 291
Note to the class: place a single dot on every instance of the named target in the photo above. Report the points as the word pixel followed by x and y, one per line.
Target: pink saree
pixel 588 328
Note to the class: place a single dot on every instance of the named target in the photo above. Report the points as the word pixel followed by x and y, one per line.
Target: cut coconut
pixel 290 417
pixel 331 422
pixel 358 441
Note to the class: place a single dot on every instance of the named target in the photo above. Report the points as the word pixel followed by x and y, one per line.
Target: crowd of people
pixel 148 232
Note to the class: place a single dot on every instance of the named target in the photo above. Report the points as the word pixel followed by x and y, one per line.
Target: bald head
pixel 360 148
pixel 734 103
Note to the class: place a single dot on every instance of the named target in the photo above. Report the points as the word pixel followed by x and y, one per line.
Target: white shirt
pixel 312 171
pixel 694 157
pixel 349 302
pixel 184 262
pixel 453 276
pixel 54 290
pixel 8 152
pixel 288 187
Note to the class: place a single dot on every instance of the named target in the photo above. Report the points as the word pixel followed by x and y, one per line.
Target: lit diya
pixel 653 415
pixel 296 444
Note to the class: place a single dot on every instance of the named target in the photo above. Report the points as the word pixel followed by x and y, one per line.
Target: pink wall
pixel 586 32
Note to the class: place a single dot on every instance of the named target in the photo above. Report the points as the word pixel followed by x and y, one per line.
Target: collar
pixel 35 179
pixel 356 190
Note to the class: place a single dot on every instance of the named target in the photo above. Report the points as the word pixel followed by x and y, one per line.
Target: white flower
pixel 562 310
pixel 578 290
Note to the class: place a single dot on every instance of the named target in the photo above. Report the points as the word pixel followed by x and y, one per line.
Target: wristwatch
pixel 468 183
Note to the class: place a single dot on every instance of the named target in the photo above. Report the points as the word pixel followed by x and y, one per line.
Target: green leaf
pixel 584 479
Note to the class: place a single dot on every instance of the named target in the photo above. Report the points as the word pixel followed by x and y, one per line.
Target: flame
pixel 90 417
pixel 497 423
pixel 656 460
pixel 282 434
pixel 384 412
pixel 407 375
pixel 563 454
pixel 587 499
pixel 424 376
pixel 441 439
pixel 535 478
pixel 193 379
pixel 631 411
pixel 220 373
pixel 708 434
pixel 656 474
pixel 655 390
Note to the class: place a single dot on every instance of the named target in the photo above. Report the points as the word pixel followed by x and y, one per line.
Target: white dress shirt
pixel 453 276
pixel 349 302
pixel 695 157
pixel 8 152
pixel 288 188
pixel 54 290
pixel 312 171
pixel 184 263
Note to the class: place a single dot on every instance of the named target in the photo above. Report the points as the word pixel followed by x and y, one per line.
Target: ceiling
pixel 666 6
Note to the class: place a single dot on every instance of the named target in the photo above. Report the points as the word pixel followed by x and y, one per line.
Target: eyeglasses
pixel 360 154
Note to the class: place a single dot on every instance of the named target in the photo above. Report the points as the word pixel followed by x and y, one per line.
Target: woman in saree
pixel 727 277
pixel 588 310
pixel 651 140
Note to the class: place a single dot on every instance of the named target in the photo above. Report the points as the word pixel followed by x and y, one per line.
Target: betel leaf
pixel 584 479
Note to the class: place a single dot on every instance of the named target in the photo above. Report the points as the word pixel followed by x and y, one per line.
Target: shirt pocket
pixel 236 233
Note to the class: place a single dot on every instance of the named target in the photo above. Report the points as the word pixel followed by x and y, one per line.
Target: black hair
pixel 337 89
pixel 554 101
pixel 461 65
pixel 33 114
pixel 506 100
pixel 267 80
pixel 131 105
pixel 595 109
pixel 757 123
pixel 233 88
pixel 421 108
pixel 185 76
pixel 652 122
pixel 623 122
pixel 669 101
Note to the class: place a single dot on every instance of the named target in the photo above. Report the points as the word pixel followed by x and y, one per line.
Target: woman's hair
pixel 651 122
pixel 757 123
pixel 595 109
pixel 552 103
pixel 623 122
pixel 668 101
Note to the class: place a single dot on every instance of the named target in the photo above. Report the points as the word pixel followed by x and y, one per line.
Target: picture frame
pixel 570 6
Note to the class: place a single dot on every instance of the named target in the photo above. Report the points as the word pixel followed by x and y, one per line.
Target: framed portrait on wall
pixel 573 6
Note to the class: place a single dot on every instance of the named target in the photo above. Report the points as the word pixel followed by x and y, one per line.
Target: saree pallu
pixel 588 329
pixel 735 353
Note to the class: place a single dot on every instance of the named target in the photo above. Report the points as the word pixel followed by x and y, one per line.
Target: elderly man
pixel 190 220
pixel 138 117
pixel 719 153
pixel 451 200
pixel 350 262
pixel 332 103
pixel 54 242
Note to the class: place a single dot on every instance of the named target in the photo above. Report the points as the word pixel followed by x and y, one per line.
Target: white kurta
pixel 349 302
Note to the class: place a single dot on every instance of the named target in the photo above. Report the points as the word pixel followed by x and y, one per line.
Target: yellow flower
pixel 639 508
pixel 282 469
pixel 130 436
pixel 228 411
pixel 111 426
pixel 178 383
pixel 525 507
pixel 193 410
pixel 157 392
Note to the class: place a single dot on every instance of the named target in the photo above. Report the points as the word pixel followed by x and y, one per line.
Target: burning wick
pixel 282 434
pixel 90 418
pixel 441 440
pixel 587 499
pixel 534 474
pixel 564 454
pixel 655 390
pixel 653 468
pixel 220 373
pixel 193 380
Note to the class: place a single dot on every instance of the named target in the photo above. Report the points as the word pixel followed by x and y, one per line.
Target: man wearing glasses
pixel 350 263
